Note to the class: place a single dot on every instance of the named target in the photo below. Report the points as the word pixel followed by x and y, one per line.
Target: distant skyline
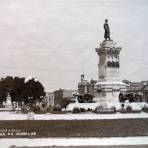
pixel 55 40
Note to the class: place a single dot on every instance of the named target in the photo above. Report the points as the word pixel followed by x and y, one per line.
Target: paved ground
pixel 86 116
pixel 127 142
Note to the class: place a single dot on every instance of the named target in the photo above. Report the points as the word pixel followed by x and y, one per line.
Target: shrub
pixel 24 109
pixel 76 110
pixel 57 108
pixel 50 108
pixel 113 108
pixel 66 102
pixel 35 109
pixel 82 110
pixel 129 108
pixel 145 108
pixel 89 110
pixel 43 105
pixel 96 109
pixel 122 106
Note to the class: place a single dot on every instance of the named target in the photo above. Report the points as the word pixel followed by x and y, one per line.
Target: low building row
pixel 138 90
pixel 86 90
pixel 59 97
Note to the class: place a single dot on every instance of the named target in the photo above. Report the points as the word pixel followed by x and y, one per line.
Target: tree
pixel 18 87
pixel 66 101
pixel 31 91
pixel 34 91
pixel 6 84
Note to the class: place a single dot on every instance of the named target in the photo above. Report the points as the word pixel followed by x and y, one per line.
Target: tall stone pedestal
pixel 109 86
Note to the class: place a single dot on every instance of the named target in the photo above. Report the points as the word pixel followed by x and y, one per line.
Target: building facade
pixel 137 89
pixel 145 94
pixel 63 95
pixel 86 87
pixel 49 99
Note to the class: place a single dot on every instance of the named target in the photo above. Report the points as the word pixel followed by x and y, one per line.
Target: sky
pixel 55 40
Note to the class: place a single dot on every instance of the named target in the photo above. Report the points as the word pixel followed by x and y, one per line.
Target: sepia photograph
pixel 73 74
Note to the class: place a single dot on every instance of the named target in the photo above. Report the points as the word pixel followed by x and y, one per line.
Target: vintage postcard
pixel 73 74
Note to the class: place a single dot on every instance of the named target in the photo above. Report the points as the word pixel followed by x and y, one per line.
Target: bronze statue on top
pixel 107 30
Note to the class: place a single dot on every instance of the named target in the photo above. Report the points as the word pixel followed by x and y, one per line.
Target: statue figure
pixel 107 30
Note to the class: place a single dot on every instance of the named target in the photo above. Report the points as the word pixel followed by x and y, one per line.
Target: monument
pixel 8 104
pixel 109 85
